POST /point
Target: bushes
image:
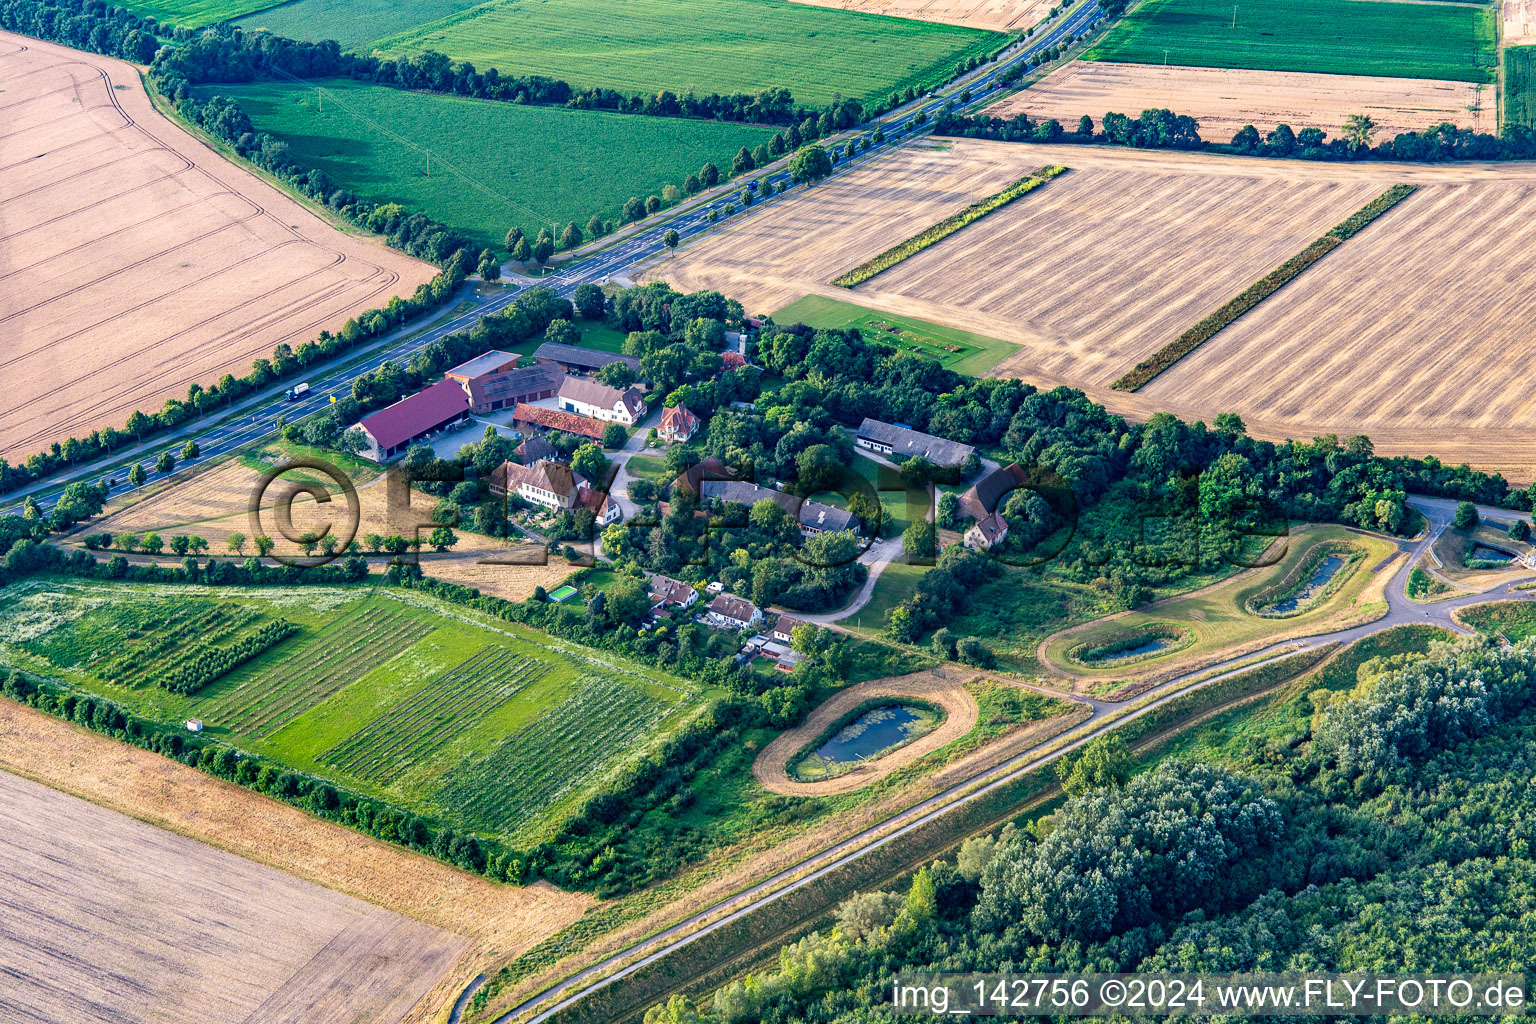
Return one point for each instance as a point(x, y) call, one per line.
point(207, 663)
point(946, 227)
point(1148, 369)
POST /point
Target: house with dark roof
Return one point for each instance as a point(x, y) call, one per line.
point(390, 431)
point(813, 516)
point(581, 360)
point(677, 424)
point(550, 484)
point(536, 417)
point(534, 449)
point(981, 500)
point(667, 591)
point(899, 442)
point(728, 611)
point(784, 628)
point(600, 402)
point(987, 532)
point(493, 381)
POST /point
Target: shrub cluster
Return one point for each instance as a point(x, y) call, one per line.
point(946, 227)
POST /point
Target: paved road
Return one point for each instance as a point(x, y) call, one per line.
point(1105, 716)
point(597, 268)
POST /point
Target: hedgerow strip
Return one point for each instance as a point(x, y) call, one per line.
point(948, 226)
point(1146, 370)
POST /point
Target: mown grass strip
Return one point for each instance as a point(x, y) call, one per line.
point(1148, 369)
point(946, 227)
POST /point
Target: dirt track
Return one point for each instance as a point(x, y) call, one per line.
point(1412, 332)
point(135, 261)
point(960, 716)
point(494, 918)
point(1224, 100)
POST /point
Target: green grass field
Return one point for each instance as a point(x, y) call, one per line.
point(351, 23)
point(493, 165)
point(195, 13)
point(473, 721)
point(1342, 37)
point(705, 46)
point(1520, 85)
point(961, 351)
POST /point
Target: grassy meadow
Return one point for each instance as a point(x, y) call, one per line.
point(195, 13)
point(352, 24)
point(702, 46)
point(485, 724)
point(1520, 85)
point(961, 351)
point(1341, 37)
point(493, 164)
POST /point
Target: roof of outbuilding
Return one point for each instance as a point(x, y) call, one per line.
point(410, 417)
point(909, 443)
point(575, 355)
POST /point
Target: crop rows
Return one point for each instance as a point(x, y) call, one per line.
point(540, 763)
point(263, 706)
point(387, 747)
point(205, 662)
point(1148, 369)
point(946, 227)
point(179, 638)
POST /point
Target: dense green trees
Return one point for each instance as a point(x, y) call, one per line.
point(810, 163)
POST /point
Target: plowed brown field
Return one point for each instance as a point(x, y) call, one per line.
point(135, 261)
point(1411, 332)
point(1224, 100)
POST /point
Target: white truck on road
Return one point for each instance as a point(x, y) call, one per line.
point(298, 391)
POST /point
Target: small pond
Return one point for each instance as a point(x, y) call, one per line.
point(1324, 572)
point(1484, 553)
point(1151, 645)
point(875, 731)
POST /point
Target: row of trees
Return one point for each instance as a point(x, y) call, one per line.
point(1164, 129)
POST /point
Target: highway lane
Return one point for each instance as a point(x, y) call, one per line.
point(614, 261)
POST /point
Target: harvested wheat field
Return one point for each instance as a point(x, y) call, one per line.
point(1413, 333)
point(1422, 321)
point(135, 261)
point(1519, 22)
point(997, 15)
point(213, 503)
point(109, 919)
point(465, 920)
point(1224, 100)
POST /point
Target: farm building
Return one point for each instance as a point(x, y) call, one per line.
point(553, 485)
point(981, 500)
point(901, 442)
point(601, 402)
point(492, 381)
point(534, 449)
point(677, 424)
point(536, 417)
point(987, 532)
point(581, 360)
point(813, 516)
point(390, 431)
point(784, 628)
point(667, 591)
point(732, 612)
